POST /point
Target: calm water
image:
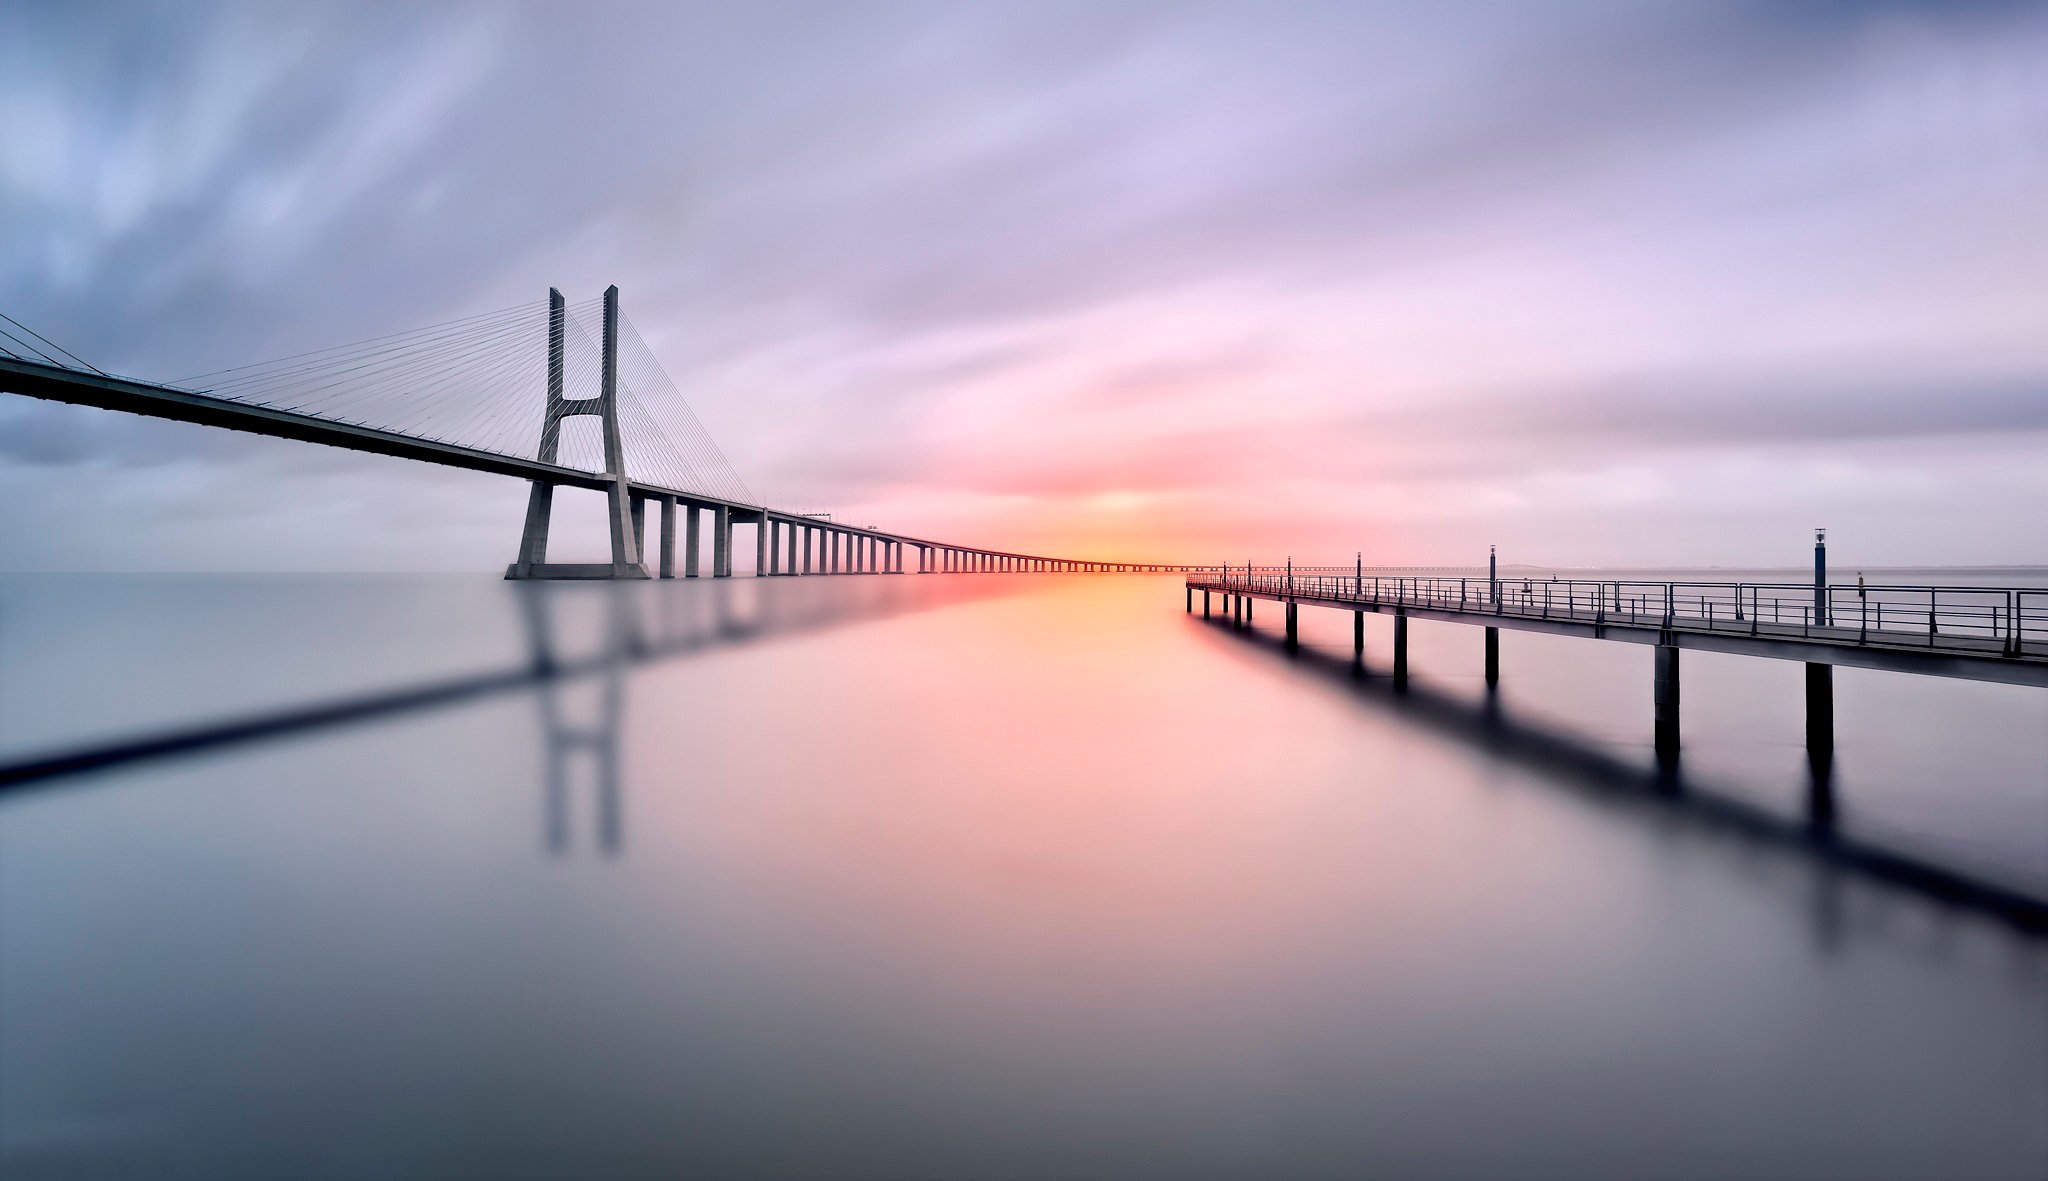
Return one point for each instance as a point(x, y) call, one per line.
point(982, 876)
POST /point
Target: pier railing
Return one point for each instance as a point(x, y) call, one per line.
point(1973, 620)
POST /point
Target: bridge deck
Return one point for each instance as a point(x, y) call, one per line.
point(79, 388)
point(1988, 634)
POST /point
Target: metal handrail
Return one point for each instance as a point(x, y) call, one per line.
point(2007, 621)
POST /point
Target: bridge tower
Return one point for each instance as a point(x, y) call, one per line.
point(533, 543)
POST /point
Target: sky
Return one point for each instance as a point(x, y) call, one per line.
point(1623, 284)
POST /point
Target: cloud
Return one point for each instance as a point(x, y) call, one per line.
point(1053, 257)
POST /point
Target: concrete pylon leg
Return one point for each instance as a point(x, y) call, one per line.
point(721, 542)
point(762, 559)
point(1666, 685)
point(1400, 648)
point(1358, 631)
point(625, 511)
point(668, 537)
point(692, 542)
point(1293, 633)
point(1492, 656)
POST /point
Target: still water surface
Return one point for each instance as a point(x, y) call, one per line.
point(1026, 876)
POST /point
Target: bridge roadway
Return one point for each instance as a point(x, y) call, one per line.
point(1995, 634)
point(865, 550)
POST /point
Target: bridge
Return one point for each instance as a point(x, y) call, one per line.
point(1976, 633)
point(493, 393)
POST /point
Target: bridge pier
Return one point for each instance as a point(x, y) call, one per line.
point(1400, 647)
point(1820, 711)
point(764, 559)
point(1492, 657)
point(1293, 631)
point(721, 542)
point(1205, 604)
point(1358, 632)
point(692, 541)
point(626, 513)
point(1666, 685)
point(668, 537)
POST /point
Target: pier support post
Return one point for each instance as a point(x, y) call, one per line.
point(1820, 710)
point(1358, 631)
point(721, 542)
point(1492, 657)
point(762, 562)
point(1293, 632)
point(668, 537)
point(1188, 600)
point(1400, 647)
point(692, 541)
point(1205, 604)
point(1666, 729)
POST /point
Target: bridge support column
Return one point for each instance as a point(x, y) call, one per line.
point(721, 542)
point(1666, 729)
point(692, 541)
point(1400, 648)
point(1205, 604)
point(1358, 631)
point(639, 504)
point(628, 554)
point(668, 537)
point(1293, 632)
point(795, 539)
point(763, 552)
point(1492, 657)
point(1820, 711)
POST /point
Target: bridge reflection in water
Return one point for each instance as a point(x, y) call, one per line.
point(576, 635)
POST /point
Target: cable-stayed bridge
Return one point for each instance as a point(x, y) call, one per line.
point(541, 393)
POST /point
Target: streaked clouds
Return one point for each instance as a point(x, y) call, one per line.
point(1600, 282)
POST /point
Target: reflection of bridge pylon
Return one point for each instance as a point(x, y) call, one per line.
point(597, 739)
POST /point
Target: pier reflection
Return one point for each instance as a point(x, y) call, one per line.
point(1598, 772)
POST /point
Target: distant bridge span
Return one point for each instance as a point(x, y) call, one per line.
point(786, 543)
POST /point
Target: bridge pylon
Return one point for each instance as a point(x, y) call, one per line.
point(533, 542)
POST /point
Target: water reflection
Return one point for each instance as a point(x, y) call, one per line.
point(1596, 770)
point(572, 631)
point(596, 740)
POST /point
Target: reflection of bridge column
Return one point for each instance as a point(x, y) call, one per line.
point(599, 739)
